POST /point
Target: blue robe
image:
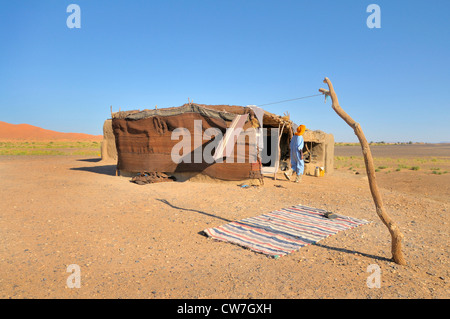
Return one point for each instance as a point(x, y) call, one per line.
point(296, 145)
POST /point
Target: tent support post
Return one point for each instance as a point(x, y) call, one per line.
point(277, 163)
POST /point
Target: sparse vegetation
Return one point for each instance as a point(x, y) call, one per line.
point(439, 172)
point(427, 164)
point(50, 148)
point(377, 143)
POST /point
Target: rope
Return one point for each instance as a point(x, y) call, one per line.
point(299, 98)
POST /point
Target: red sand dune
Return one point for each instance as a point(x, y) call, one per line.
point(11, 132)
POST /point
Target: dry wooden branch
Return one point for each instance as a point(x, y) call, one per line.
point(394, 230)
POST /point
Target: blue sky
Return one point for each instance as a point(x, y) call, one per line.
point(134, 54)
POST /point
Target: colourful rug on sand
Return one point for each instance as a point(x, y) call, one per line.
point(283, 231)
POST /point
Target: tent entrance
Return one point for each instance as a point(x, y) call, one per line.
point(275, 151)
point(313, 152)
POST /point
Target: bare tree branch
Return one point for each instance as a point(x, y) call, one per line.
point(396, 235)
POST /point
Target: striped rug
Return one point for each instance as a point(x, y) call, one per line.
point(283, 231)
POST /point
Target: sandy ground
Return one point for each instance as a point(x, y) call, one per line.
point(133, 241)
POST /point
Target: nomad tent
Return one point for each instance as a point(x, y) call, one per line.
point(222, 142)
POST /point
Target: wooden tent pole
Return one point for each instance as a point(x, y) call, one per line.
point(277, 163)
point(394, 230)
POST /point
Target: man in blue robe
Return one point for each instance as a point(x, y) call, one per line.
point(297, 162)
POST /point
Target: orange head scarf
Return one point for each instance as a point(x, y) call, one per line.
point(300, 130)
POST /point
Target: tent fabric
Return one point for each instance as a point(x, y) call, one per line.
point(144, 142)
point(187, 108)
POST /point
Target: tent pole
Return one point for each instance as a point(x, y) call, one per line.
point(277, 163)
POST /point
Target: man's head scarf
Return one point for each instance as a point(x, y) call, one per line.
point(300, 130)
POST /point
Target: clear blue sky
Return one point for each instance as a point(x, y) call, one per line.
point(134, 54)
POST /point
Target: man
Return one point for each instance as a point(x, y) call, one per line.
point(297, 162)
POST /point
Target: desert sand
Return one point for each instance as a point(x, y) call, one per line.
point(145, 241)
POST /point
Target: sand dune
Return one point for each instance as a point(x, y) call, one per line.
point(11, 132)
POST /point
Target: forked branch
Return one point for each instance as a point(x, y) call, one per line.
point(396, 235)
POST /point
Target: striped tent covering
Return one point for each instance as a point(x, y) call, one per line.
point(283, 231)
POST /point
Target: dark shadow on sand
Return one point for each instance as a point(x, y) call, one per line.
point(93, 160)
point(352, 252)
point(103, 169)
point(193, 210)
